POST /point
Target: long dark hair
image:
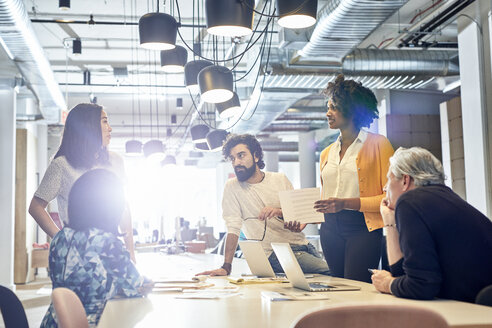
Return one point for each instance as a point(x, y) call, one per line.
point(354, 101)
point(96, 200)
point(246, 139)
point(82, 138)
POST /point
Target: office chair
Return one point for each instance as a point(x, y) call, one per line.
point(13, 312)
point(69, 309)
point(372, 316)
point(484, 297)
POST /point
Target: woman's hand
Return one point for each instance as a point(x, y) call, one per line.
point(330, 205)
point(382, 279)
point(387, 213)
point(294, 226)
point(269, 212)
point(146, 287)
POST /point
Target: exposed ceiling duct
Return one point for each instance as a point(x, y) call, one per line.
point(344, 24)
point(279, 145)
point(23, 48)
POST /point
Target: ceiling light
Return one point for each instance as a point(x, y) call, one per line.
point(216, 83)
point(64, 4)
point(174, 60)
point(179, 103)
point(199, 133)
point(202, 146)
point(133, 148)
point(229, 18)
point(157, 31)
point(229, 108)
point(154, 150)
point(76, 47)
point(215, 139)
point(297, 13)
point(191, 70)
point(169, 160)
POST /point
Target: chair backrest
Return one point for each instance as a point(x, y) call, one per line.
point(372, 316)
point(484, 297)
point(13, 312)
point(69, 309)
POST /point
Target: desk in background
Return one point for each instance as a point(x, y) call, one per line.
point(250, 309)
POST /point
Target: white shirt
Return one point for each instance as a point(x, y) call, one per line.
point(60, 177)
point(340, 178)
point(243, 200)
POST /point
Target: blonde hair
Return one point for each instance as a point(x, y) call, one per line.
point(418, 163)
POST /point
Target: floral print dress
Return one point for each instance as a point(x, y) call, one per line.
point(96, 266)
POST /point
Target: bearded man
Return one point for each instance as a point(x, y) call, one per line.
point(251, 204)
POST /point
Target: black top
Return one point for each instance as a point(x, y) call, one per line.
point(446, 245)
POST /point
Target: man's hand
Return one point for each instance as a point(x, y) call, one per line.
point(269, 212)
point(294, 226)
point(382, 279)
point(387, 213)
point(216, 272)
point(330, 205)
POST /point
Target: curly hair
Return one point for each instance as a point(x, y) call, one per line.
point(246, 139)
point(353, 100)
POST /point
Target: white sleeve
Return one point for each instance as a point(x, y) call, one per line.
point(51, 184)
point(231, 211)
point(287, 183)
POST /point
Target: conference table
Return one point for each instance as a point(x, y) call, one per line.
point(248, 308)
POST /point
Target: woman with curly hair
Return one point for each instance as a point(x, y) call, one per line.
point(353, 174)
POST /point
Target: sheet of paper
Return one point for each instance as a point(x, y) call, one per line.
point(298, 205)
point(293, 296)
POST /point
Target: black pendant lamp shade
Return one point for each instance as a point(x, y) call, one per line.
point(169, 160)
point(202, 146)
point(157, 31)
point(76, 47)
point(297, 13)
point(215, 139)
point(133, 147)
point(191, 73)
point(174, 60)
point(229, 108)
point(64, 4)
point(216, 83)
point(199, 133)
point(229, 18)
point(154, 149)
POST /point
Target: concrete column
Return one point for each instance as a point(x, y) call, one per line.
point(7, 185)
point(307, 168)
point(476, 90)
point(42, 160)
point(271, 161)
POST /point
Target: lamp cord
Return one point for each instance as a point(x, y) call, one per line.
point(273, 16)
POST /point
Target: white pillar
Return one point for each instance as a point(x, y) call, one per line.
point(474, 54)
point(42, 159)
point(7, 185)
point(307, 168)
point(271, 161)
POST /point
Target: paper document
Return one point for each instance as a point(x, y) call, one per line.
point(293, 296)
point(250, 280)
point(298, 205)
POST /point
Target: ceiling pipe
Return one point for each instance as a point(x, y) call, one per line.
point(20, 42)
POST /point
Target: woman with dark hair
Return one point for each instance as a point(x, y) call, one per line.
point(353, 174)
point(84, 145)
point(86, 256)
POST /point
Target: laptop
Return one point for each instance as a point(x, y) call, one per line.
point(295, 275)
point(257, 260)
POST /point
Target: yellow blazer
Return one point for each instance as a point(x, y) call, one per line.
point(372, 167)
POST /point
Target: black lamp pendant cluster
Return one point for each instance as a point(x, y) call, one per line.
point(157, 31)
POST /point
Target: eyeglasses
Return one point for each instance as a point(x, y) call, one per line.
point(264, 228)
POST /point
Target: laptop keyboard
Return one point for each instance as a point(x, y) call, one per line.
point(320, 286)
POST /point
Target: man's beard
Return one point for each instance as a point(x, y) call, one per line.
point(246, 173)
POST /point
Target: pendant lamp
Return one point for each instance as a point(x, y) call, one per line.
point(215, 139)
point(191, 70)
point(174, 60)
point(133, 148)
point(229, 108)
point(202, 146)
point(76, 47)
point(216, 83)
point(154, 150)
point(297, 13)
point(229, 18)
point(169, 160)
point(199, 133)
point(157, 31)
point(64, 4)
